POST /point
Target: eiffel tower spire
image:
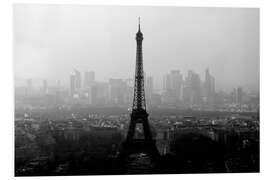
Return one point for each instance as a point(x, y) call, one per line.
point(139, 24)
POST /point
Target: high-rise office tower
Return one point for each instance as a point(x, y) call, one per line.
point(192, 91)
point(176, 83)
point(72, 84)
point(167, 84)
point(149, 88)
point(172, 87)
point(233, 98)
point(98, 93)
point(89, 78)
point(117, 91)
point(78, 79)
point(75, 82)
point(209, 87)
point(239, 96)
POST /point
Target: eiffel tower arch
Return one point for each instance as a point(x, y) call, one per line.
point(139, 114)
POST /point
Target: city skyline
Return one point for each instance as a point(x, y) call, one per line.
point(125, 125)
point(39, 83)
point(231, 34)
point(177, 91)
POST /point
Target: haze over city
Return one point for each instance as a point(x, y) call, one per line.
point(51, 40)
point(99, 92)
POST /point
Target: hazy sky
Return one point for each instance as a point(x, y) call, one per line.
point(51, 40)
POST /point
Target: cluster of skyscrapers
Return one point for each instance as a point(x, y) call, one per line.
point(116, 91)
point(177, 90)
point(189, 90)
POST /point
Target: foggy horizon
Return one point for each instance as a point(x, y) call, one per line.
point(51, 40)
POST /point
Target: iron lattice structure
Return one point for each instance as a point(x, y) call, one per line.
point(139, 115)
point(139, 94)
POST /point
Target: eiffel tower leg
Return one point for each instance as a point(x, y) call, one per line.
point(146, 130)
point(131, 130)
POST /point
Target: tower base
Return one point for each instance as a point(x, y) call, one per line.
point(135, 146)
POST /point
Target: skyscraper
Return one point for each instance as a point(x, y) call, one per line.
point(192, 91)
point(209, 87)
point(72, 84)
point(239, 96)
point(89, 78)
point(172, 86)
point(176, 82)
point(98, 93)
point(166, 83)
point(75, 83)
point(117, 91)
point(78, 80)
point(149, 88)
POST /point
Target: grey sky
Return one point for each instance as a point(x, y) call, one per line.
point(51, 40)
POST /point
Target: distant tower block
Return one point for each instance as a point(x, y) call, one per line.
point(139, 115)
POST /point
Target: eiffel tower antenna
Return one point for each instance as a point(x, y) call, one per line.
point(139, 24)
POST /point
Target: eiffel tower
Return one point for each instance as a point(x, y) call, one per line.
point(131, 145)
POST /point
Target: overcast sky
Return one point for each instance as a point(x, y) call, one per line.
point(51, 40)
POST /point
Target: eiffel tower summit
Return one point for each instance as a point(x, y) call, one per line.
point(139, 115)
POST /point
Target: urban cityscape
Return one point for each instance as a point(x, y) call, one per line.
point(52, 123)
point(129, 126)
point(182, 92)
